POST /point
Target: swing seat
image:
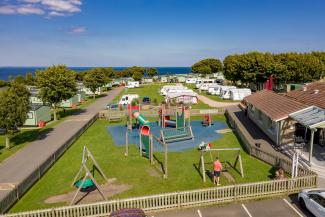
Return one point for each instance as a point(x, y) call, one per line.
point(87, 186)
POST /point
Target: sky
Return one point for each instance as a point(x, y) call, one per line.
point(153, 32)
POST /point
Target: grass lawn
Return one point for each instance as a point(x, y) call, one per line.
point(152, 91)
point(22, 138)
point(133, 170)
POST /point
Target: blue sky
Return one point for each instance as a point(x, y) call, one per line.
point(153, 32)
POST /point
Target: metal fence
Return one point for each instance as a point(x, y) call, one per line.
point(181, 199)
point(13, 195)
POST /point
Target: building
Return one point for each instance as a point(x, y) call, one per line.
point(164, 79)
point(38, 113)
point(147, 80)
point(270, 112)
point(70, 103)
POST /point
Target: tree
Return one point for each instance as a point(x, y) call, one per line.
point(207, 66)
point(29, 79)
point(13, 109)
point(94, 79)
point(151, 71)
point(3, 83)
point(137, 75)
point(56, 83)
point(19, 79)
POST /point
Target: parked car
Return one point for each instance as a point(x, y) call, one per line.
point(313, 200)
point(146, 100)
point(112, 106)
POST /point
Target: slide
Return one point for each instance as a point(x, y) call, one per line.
point(142, 120)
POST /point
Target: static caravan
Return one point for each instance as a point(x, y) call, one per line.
point(168, 88)
point(239, 94)
point(206, 86)
point(37, 113)
point(204, 81)
point(181, 79)
point(147, 80)
point(164, 79)
point(226, 93)
point(133, 84)
point(221, 90)
point(213, 90)
point(191, 80)
point(188, 97)
point(70, 103)
point(99, 91)
point(81, 96)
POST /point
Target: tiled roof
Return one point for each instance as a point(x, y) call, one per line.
point(275, 106)
point(307, 95)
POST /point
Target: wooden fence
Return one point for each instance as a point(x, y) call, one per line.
point(154, 112)
point(181, 199)
point(15, 194)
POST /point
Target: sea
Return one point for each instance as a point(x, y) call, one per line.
point(7, 72)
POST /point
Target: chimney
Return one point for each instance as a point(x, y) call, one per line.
point(316, 91)
point(304, 88)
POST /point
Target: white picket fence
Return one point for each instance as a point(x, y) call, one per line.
point(181, 199)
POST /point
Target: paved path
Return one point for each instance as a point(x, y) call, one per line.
point(284, 207)
point(17, 167)
point(215, 104)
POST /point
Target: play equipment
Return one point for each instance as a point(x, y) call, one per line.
point(143, 124)
point(181, 113)
point(175, 135)
point(84, 181)
point(207, 120)
point(207, 148)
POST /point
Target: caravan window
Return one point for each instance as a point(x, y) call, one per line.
point(30, 115)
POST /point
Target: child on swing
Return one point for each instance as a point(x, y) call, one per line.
point(217, 167)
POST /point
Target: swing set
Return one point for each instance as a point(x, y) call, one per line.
point(207, 149)
point(84, 180)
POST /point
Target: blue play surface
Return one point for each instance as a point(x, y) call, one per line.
point(201, 133)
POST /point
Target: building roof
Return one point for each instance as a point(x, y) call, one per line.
point(35, 106)
point(275, 106)
point(312, 94)
point(311, 117)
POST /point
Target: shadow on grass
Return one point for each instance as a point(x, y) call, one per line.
point(29, 136)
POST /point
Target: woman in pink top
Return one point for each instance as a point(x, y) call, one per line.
point(217, 167)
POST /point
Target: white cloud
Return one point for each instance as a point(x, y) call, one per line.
point(40, 7)
point(8, 9)
point(78, 30)
point(21, 9)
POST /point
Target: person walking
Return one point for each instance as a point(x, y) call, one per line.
point(217, 167)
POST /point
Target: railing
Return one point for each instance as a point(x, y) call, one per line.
point(181, 199)
point(154, 112)
point(15, 194)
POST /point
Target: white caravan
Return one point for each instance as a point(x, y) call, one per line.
point(133, 84)
point(204, 81)
point(191, 80)
point(167, 88)
point(206, 86)
point(239, 94)
point(226, 93)
point(223, 88)
point(213, 90)
point(188, 97)
point(127, 99)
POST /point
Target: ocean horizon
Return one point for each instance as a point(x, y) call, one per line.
point(12, 71)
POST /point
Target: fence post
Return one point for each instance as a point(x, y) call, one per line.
point(178, 200)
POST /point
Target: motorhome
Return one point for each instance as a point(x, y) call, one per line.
point(133, 84)
point(127, 99)
point(239, 94)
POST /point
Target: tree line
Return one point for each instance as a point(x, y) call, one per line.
point(254, 67)
point(55, 83)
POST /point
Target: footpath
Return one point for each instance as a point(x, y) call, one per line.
point(19, 169)
point(216, 104)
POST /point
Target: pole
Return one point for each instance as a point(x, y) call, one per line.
point(126, 144)
point(311, 144)
point(166, 161)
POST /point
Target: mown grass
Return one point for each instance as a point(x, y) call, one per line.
point(133, 170)
point(25, 136)
point(152, 91)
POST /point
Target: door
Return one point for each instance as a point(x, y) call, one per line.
point(313, 204)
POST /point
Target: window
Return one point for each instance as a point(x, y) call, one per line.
point(30, 115)
point(318, 199)
point(259, 115)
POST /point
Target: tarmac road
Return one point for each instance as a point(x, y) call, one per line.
point(280, 207)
